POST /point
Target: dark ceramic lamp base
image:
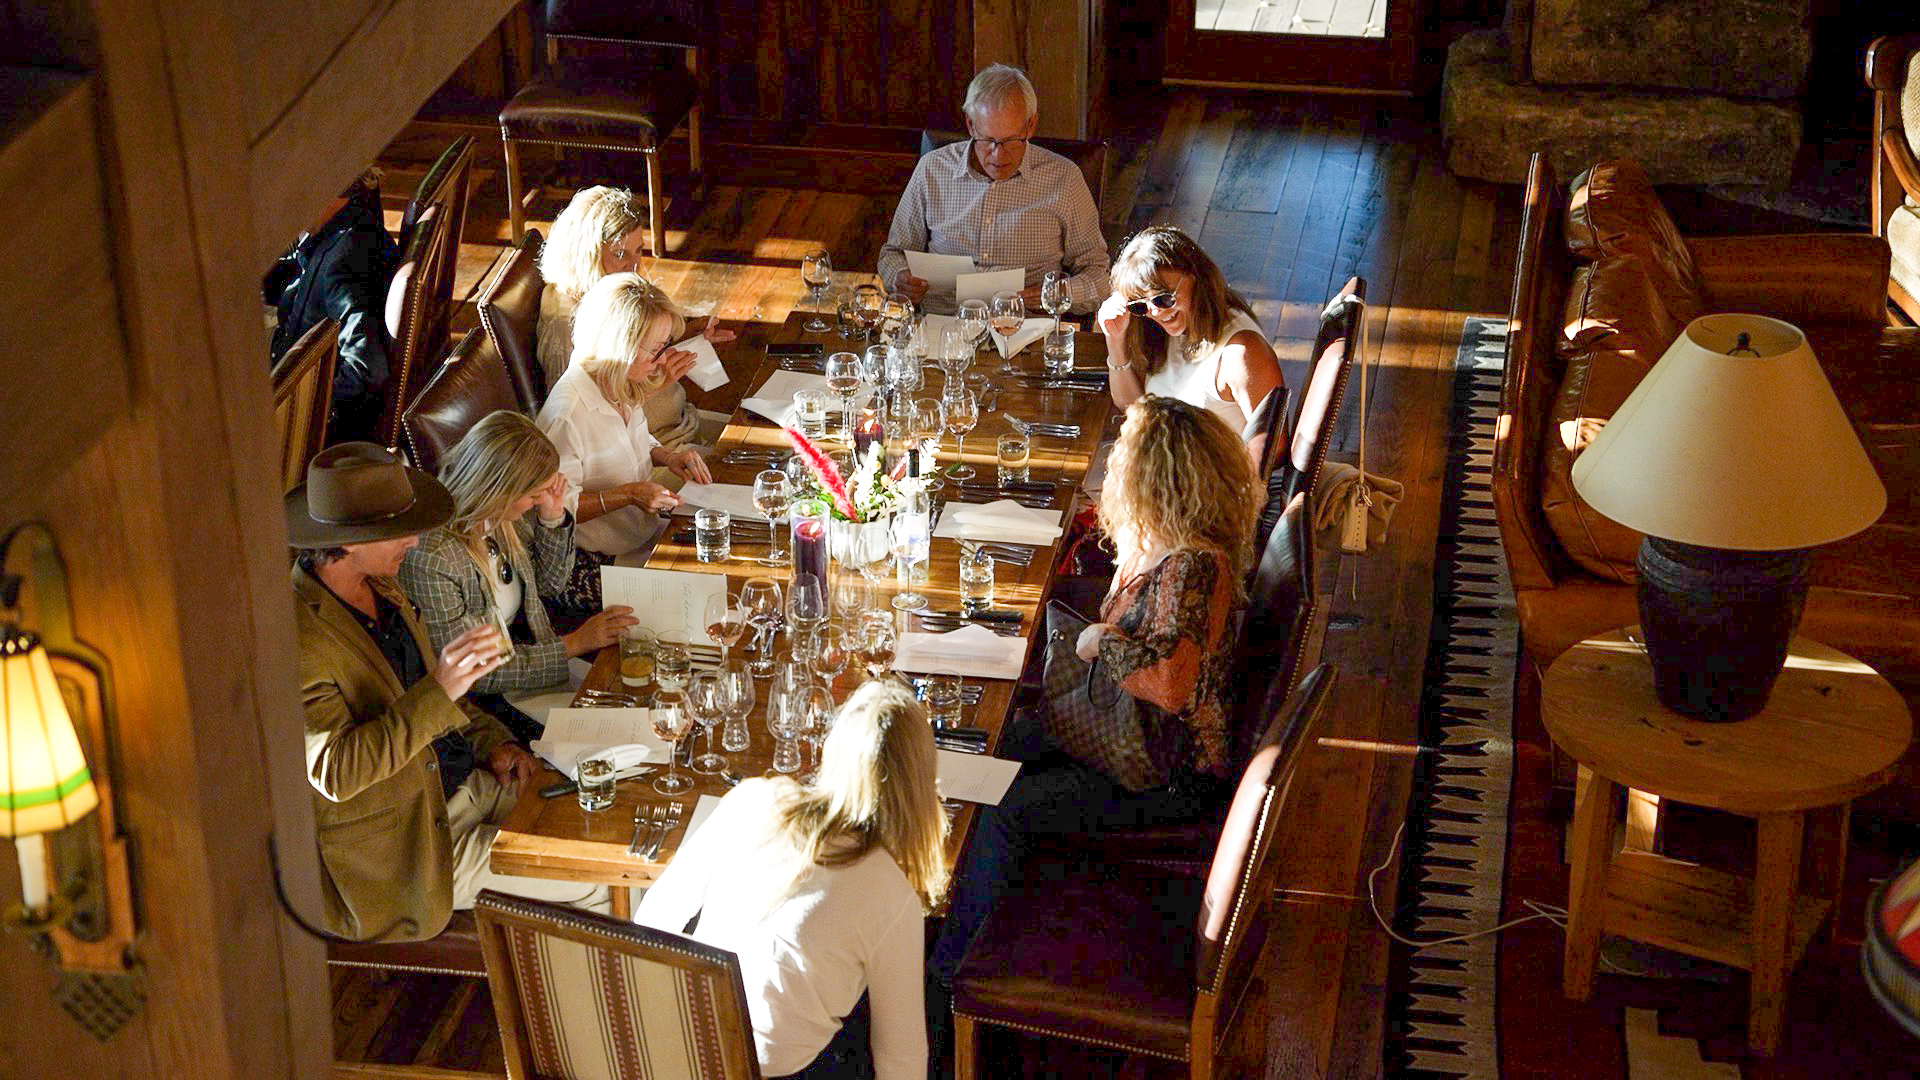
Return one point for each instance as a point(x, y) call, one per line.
point(1718, 624)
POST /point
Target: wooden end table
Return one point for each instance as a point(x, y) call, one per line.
point(1832, 731)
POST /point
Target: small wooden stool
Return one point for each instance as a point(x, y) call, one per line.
point(1832, 731)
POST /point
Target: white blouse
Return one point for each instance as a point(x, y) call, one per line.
point(1195, 379)
point(600, 449)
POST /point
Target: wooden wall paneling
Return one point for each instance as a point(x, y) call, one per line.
point(1057, 42)
point(341, 118)
point(299, 41)
point(60, 322)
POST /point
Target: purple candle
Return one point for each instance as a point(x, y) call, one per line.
point(810, 540)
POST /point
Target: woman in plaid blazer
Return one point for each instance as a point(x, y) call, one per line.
point(494, 562)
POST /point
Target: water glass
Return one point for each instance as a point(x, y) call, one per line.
point(976, 581)
point(712, 535)
point(672, 661)
point(943, 699)
point(810, 412)
point(1013, 455)
point(594, 775)
point(1057, 351)
point(636, 656)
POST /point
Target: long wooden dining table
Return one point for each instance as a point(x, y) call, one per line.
point(554, 838)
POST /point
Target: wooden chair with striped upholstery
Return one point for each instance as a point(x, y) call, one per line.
point(581, 996)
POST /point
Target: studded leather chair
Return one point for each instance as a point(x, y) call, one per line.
point(509, 303)
point(468, 385)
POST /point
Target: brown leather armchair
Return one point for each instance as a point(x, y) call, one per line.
point(468, 385)
point(1893, 71)
point(509, 304)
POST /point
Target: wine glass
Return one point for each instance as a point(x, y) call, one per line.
point(725, 622)
point(962, 412)
point(816, 270)
point(704, 702)
point(771, 495)
point(815, 721)
point(786, 716)
point(760, 598)
point(831, 652)
point(1054, 296)
point(926, 422)
point(869, 301)
point(842, 370)
point(1009, 313)
point(898, 319)
point(736, 701)
point(875, 642)
point(956, 354)
point(671, 722)
point(807, 602)
point(870, 551)
point(672, 661)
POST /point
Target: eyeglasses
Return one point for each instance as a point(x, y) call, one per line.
point(648, 356)
point(1017, 143)
point(1162, 300)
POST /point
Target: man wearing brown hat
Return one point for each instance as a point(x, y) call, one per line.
point(410, 781)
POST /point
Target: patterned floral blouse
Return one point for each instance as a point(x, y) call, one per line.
point(1171, 646)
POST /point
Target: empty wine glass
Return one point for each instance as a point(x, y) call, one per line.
point(1008, 314)
point(876, 639)
point(771, 496)
point(736, 701)
point(973, 317)
point(760, 599)
point(831, 652)
point(842, 371)
point(807, 602)
point(703, 701)
point(898, 320)
point(816, 270)
point(956, 354)
point(725, 622)
point(962, 411)
point(786, 717)
point(1054, 296)
point(671, 722)
point(816, 720)
point(868, 302)
point(926, 422)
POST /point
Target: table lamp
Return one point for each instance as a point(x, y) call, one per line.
point(44, 781)
point(1734, 458)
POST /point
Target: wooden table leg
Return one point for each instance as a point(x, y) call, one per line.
point(1826, 861)
point(622, 902)
point(1592, 851)
point(1775, 879)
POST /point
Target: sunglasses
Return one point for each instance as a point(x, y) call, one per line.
point(1161, 300)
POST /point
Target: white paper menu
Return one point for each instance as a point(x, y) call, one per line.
point(663, 599)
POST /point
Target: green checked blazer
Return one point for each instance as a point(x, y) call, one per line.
point(452, 591)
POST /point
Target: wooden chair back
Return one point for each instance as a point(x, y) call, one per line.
point(420, 300)
point(509, 304)
point(470, 383)
point(303, 398)
point(582, 995)
point(1893, 71)
point(1282, 602)
point(1294, 462)
point(1241, 881)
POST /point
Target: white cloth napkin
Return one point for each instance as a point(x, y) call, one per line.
point(707, 372)
point(774, 398)
point(626, 735)
point(971, 650)
point(1003, 520)
point(735, 499)
point(1030, 331)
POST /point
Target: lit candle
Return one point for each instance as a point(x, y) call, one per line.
point(809, 539)
point(869, 430)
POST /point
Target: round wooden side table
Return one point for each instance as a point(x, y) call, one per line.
point(1832, 731)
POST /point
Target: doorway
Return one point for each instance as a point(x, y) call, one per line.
point(1357, 45)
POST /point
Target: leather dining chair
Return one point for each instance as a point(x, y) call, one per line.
point(470, 383)
point(578, 994)
point(509, 305)
point(593, 97)
point(1132, 959)
point(303, 398)
point(1893, 71)
point(420, 299)
point(1296, 468)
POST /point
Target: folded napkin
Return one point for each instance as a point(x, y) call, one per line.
point(735, 499)
point(708, 372)
point(1002, 519)
point(626, 735)
point(1030, 331)
point(774, 398)
point(971, 650)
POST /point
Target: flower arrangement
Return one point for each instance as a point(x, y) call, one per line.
point(871, 491)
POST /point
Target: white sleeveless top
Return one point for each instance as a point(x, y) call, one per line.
point(1195, 378)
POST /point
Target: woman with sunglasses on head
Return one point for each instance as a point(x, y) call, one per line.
point(508, 545)
point(595, 419)
point(1174, 328)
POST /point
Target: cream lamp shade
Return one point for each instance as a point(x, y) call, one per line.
point(44, 780)
point(1734, 440)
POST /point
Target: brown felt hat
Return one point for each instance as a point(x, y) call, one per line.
point(357, 493)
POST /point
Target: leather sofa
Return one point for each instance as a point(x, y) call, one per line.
point(1604, 282)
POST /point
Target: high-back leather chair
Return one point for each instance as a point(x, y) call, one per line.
point(578, 994)
point(1893, 71)
point(303, 398)
point(470, 383)
point(509, 303)
point(1129, 958)
point(593, 97)
point(420, 300)
point(1297, 466)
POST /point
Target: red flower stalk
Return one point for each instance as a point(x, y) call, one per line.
point(827, 472)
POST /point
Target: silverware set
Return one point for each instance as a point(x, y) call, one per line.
point(942, 623)
point(969, 692)
point(802, 363)
point(1063, 431)
point(1079, 385)
point(761, 457)
point(959, 740)
point(1029, 499)
point(654, 823)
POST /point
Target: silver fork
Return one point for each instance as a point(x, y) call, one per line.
point(672, 821)
point(642, 821)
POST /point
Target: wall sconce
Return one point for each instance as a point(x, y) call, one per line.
point(56, 693)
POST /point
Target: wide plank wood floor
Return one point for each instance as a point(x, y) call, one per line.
point(1291, 195)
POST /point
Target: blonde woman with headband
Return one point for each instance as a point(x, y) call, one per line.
point(603, 231)
point(508, 546)
point(822, 893)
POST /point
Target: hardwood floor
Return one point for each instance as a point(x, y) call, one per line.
point(1291, 195)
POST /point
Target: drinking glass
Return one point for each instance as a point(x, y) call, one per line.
point(912, 546)
point(926, 421)
point(869, 301)
point(786, 716)
point(876, 639)
point(725, 622)
point(810, 413)
point(831, 653)
point(846, 315)
point(736, 701)
point(704, 703)
point(760, 598)
point(672, 660)
point(943, 699)
point(815, 721)
point(962, 410)
point(671, 722)
point(816, 270)
point(956, 354)
point(1056, 351)
point(771, 494)
point(1009, 313)
point(1012, 454)
point(842, 370)
point(594, 777)
point(973, 317)
point(636, 656)
point(899, 318)
point(712, 535)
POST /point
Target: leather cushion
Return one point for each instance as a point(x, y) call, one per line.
point(1618, 302)
point(509, 306)
point(468, 385)
point(589, 105)
point(1612, 209)
point(1596, 383)
point(1106, 957)
point(455, 951)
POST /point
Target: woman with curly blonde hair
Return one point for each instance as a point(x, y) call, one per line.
point(821, 891)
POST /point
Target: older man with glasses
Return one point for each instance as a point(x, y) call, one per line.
point(1000, 199)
